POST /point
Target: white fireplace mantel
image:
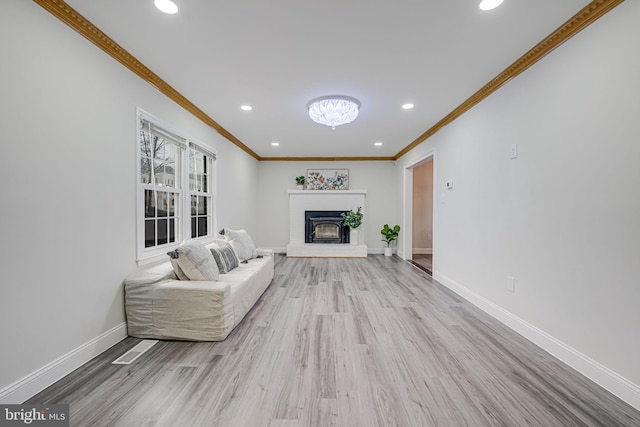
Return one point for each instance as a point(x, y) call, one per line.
point(323, 200)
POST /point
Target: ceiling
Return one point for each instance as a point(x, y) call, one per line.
point(278, 55)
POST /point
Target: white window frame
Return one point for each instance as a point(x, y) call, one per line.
point(147, 255)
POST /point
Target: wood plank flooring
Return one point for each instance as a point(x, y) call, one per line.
point(424, 261)
point(343, 342)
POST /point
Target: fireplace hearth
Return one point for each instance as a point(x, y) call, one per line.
point(325, 227)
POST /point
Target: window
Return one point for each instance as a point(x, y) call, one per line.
point(199, 188)
point(175, 177)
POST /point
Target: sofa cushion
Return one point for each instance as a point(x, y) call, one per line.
point(151, 274)
point(242, 243)
point(225, 257)
point(196, 261)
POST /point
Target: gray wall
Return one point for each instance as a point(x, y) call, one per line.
point(68, 131)
point(562, 218)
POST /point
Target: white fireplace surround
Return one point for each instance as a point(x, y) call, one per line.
point(323, 200)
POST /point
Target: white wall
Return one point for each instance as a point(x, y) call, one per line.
point(276, 178)
point(422, 231)
point(562, 218)
point(68, 132)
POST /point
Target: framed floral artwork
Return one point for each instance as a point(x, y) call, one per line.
point(327, 179)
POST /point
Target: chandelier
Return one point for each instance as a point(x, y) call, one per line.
point(333, 110)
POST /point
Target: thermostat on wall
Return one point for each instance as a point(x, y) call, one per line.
point(449, 185)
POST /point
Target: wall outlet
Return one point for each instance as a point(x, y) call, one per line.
point(449, 185)
point(511, 284)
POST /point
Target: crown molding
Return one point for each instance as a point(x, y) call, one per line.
point(588, 15)
point(84, 27)
point(585, 17)
point(326, 159)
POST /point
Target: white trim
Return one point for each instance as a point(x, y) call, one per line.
point(153, 254)
point(596, 372)
point(376, 251)
point(42, 378)
point(278, 249)
point(423, 251)
point(406, 232)
point(405, 242)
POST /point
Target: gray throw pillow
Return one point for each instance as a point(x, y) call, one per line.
point(225, 257)
point(196, 261)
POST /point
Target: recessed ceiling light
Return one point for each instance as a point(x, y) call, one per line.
point(378, 144)
point(166, 6)
point(246, 108)
point(275, 144)
point(490, 4)
point(407, 106)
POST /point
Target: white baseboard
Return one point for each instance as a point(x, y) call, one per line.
point(35, 382)
point(423, 251)
point(277, 250)
point(600, 374)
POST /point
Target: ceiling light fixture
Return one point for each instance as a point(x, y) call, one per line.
point(246, 108)
point(334, 110)
point(378, 144)
point(166, 6)
point(407, 106)
point(275, 144)
point(490, 4)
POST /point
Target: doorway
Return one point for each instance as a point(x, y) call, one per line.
point(419, 216)
point(422, 216)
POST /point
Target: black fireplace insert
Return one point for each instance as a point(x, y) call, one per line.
point(325, 227)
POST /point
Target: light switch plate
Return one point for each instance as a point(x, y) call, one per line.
point(514, 151)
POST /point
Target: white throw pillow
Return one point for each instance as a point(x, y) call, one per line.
point(196, 261)
point(177, 269)
point(242, 243)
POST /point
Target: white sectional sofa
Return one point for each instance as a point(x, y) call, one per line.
point(160, 306)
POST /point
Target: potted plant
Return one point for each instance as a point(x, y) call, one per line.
point(353, 220)
point(390, 234)
point(300, 182)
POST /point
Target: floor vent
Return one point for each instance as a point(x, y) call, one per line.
point(137, 351)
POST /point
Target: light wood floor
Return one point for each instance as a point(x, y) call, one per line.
point(423, 261)
point(343, 342)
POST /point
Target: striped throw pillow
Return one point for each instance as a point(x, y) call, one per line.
point(225, 257)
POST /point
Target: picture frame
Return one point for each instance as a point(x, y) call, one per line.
point(327, 179)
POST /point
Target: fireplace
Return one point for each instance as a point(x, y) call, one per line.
point(337, 201)
point(325, 227)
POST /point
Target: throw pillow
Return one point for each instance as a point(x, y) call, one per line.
point(242, 243)
point(177, 269)
point(196, 261)
point(225, 257)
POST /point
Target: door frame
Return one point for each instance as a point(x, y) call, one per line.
point(405, 250)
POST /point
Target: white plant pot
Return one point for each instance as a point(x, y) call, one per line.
point(388, 251)
point(300, 187)
point(353, 236)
